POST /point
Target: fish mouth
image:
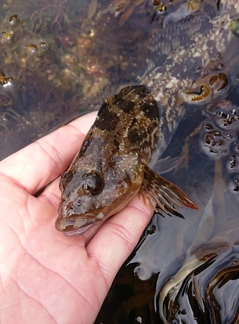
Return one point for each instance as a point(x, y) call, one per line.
point(77, 225)
point(80, 224)
point(78, 231)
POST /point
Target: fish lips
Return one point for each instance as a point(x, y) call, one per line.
point(77, 224)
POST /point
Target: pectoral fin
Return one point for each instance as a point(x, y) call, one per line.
point(163, 194)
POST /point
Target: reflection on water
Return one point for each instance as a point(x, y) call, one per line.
point(58, 61)
point(187, 270)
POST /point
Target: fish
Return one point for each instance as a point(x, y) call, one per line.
point(118, 158)
point(112, 165)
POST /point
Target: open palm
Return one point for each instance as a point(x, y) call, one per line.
point(46, 277)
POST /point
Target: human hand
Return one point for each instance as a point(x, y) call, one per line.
point(45, 276)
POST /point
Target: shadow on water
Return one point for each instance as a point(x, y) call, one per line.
point(59, 61)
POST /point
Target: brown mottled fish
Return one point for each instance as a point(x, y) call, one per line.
point(134, 127)
point(112, 165)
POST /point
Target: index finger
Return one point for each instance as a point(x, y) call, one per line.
point(39, 163)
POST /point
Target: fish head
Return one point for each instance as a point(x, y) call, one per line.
point(91, 195)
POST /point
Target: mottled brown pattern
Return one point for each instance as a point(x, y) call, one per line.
point(129, 121)
point(111, 166)
point(121, 140)
point(109, 119)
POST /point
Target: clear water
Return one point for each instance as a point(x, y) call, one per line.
point(59, 61)
point(187, 269)
point(56, 66)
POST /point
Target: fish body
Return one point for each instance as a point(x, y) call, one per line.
point(134, 127)
point(112, 165)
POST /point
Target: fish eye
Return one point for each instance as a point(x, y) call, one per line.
point(93, 184)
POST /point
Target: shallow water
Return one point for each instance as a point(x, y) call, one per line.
point(186, 270)
point(59, 61)
point(56, 67)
